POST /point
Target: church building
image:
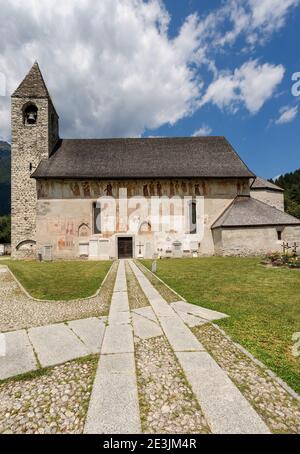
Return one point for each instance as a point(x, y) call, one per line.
point(61, 188)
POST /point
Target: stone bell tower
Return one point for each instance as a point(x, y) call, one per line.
point(34, 124)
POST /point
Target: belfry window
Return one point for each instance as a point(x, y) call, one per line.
point(30, 115)
point(96, 217)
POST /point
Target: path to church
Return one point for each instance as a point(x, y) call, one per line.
point(154, 375)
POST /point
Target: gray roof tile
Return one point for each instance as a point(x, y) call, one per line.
point(143, 158)
point(259, 183)
point(246, 211)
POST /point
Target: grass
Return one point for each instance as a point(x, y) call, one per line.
point(59, 280)
point(263, 304)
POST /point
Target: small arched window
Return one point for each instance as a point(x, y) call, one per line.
point(30, 115)
point(193, 217)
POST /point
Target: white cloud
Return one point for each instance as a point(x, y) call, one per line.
point(204, 130)
point(251, 85)
point(287, 114)
point(110, 66)
point(270, 13)
point(113, 69)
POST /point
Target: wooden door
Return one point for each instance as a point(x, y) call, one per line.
point(125, 248)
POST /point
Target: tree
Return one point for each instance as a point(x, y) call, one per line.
point(290, 182)
point(5, 229)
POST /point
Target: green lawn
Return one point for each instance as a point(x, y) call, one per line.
point(59, 280)
point(263, 304)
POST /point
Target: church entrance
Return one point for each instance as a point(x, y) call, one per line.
point(125, 247)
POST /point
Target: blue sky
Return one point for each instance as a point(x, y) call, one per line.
point(163, 68)
point(269, 149)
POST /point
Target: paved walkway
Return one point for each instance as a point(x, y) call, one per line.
point(27, 350)
point(225, 408)
point(114, 405)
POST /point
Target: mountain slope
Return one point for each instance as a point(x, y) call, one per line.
point(5, 163)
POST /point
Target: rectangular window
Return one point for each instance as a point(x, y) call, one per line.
point(193, 217)
point(279, 235)
point(96, 218)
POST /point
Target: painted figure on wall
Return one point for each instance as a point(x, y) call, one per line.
point(197, 189)
point(145, 191)
point(152, 189)
point(75, 189)
point(108, 190)
point(172, 189)
point(86, 189)
point(159, 188)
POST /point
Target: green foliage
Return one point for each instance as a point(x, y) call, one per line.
point(263, 304)
point(290, 182)
point(5, 229)
point(5, 164)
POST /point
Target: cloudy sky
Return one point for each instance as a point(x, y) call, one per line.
point(163, 68)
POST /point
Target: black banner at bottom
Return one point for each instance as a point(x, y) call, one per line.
point(136, 443)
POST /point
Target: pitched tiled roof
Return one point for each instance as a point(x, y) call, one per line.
point(246, 211)
point(144, 158)
point(33, 85)
point(259, 183)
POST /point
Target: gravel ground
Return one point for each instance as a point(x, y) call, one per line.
point(277, 407)
point(55, 402)
point(17, 311)
point(165, 291)
point(136, 296)
point(167, 403)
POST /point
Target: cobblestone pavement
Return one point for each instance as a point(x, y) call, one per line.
point(167, 403)
point(17, 311)
point(137, 298)
point(55, 402)
point(277, 407)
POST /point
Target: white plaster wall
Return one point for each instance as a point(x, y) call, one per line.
point(64, 206)
point(254, 241)
point(273, 198)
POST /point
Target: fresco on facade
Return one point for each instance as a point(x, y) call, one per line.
point(171, 188)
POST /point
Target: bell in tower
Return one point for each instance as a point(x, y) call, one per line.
point(30, 115)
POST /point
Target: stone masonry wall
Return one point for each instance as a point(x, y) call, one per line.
point(30, 144)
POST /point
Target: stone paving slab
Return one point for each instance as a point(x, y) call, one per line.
point(197, 311)
point(226, 409)
point(56, 344)
point(190, 320)
point(90, 331)
point(119, 302)
point(19, 355)
point(160, 307)
point(118, 339)
point(114, 405)
point(145, 328)
point(146, 312)
point(179, 335)
point(119, 318)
